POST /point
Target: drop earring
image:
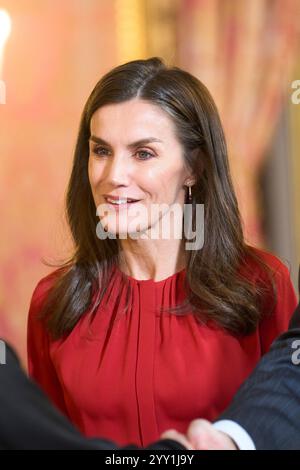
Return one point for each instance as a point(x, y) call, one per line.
point(190, 194)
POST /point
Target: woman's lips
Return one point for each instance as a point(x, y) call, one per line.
point(120, 206)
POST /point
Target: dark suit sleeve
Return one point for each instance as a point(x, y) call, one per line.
point(267, 406)
point(29, 421)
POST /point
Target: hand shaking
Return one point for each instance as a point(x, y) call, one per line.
point(201, 435)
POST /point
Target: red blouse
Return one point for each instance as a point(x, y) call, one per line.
point(130, 376)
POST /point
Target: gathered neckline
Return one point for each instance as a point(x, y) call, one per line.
point(151, 281)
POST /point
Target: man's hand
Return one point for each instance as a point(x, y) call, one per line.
point(201, 435)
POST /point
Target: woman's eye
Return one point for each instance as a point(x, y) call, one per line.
point(141, 154)
point(144, 155)
point(100, 151)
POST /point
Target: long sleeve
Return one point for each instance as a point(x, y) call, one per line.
point(267, 406)
point(40, 365)
point(277, 316)
point(29, 421)
point(238, 434)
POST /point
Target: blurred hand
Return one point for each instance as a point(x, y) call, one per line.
point(178, 437)
point(201, 435)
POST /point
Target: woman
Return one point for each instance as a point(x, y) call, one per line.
point(135, 335)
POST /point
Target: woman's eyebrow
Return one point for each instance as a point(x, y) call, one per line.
point(144, 141)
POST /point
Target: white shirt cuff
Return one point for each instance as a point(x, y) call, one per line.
point(238, 434)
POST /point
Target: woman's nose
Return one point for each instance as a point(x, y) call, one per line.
point(117, 169)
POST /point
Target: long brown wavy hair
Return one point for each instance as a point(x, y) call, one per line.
point(218, 278)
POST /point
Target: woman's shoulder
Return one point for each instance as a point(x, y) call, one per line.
point(262, 263)
point(267, 257)
point(44, 285)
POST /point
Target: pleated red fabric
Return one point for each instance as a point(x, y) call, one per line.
point(130, 376)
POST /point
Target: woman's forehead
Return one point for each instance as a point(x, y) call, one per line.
point(135, 116)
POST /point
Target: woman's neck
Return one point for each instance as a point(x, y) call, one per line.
point(152, 259)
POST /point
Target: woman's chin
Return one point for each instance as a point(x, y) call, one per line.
point(122, 232)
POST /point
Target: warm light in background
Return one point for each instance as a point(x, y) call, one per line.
point(5, 28)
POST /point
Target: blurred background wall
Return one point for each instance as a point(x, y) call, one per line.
point(246, 52)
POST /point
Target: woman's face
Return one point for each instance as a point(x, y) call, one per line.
point(134, 154)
